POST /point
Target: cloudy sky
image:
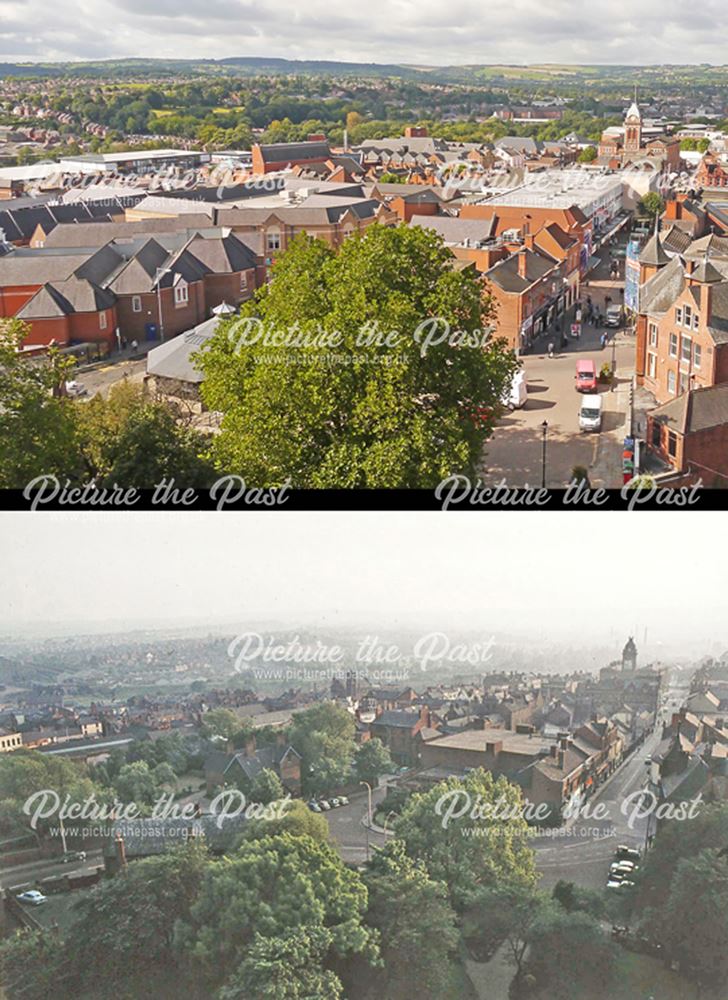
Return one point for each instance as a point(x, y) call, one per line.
point(577, 574)
point(422, 32)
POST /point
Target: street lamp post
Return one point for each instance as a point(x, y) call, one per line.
point(160, 272)
point(544, 429)
point(369, 811)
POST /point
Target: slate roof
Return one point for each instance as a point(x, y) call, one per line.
point(696, 410)
point(75, 295)
point(660, 291)
point(505, 272)
point(399, 719)
point(455, 230)
point(285, 152)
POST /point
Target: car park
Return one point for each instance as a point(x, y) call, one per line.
point(32, 896)
point(625, 853)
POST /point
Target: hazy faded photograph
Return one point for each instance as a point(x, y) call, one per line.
point(390, 755)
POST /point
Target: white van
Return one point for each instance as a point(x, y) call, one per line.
point(590, 413)
point(516, 394)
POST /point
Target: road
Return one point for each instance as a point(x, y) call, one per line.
point(583, 852)
point(515, 452)
point(101, 378)
point(47, 867)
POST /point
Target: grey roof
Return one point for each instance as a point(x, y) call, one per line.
point(87, 234)
point(652, 253)
point(456, 230)
point(146, 837)
point(660, 291)
point(400, 719)
point(696, 410)
point(34, 267)
point(74, 295)
point(173, 358)
point(285, 152)
point(505, 272)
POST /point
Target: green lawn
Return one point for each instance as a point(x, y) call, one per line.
point(638, 977)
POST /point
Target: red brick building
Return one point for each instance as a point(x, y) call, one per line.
point(682, 322)
point(690, 433)
point(279, 155)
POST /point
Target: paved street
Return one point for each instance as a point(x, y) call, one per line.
point(348, 829)
point(516, 449)
point(515, 452)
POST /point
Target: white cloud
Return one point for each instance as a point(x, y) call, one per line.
point(461, 31)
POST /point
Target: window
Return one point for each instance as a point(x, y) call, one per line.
point(653, 334)
point(652, 365)
point(688, 316)
point(678, 315)
point(671, 444)
point(136, 303)
point(181, 294)
point(696, 321)
point(243, 281)
point(684, 382)
point(686, 348)
point(273, 239)
point(671, 383)
point(696, 355)
point(673, 345)
point(102, 320)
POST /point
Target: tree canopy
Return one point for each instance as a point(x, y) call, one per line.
point(338, 407)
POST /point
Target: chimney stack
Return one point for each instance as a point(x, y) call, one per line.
point(562, 754)
point(522, 258)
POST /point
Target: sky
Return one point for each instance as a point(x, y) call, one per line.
point(571, 573)
point(424, 32)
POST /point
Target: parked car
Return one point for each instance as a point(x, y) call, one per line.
point(325, 805)
point(73, 856)
point(32, 896)
point(343, 800)
point(625, 853)
point(74, 388)
point(314, 807)
point(335, 803)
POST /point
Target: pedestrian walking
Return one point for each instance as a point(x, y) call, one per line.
point(551, 348)
point(603, 340)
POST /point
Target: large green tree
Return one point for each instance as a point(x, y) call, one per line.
point(37, 425)
point(416, 925)
point(270, 888)
point(339, 407)
point(324, 736)
point(467, 851)
point(372, 761)
point(130, 439)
